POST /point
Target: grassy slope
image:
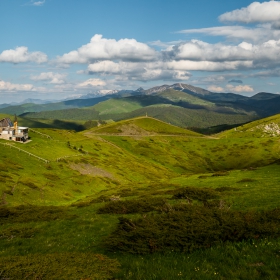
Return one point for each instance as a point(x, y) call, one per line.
point(142, 126)
point(267, 127)
point(177, 96)
point(115, 106)
point(143, 166)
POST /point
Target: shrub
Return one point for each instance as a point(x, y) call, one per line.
point(195, 193)
point(191, 227)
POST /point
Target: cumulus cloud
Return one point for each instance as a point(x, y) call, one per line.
point(255, 12)
point(142, 71)
point(201, 51)
point(21, 54)
point(215, 89)
point(92, 83)
point(235, 81)
point(231, 88)
point(53, 78)
point(199, 55)
point(7, 86)
point(189, 65)
point(240, 88)
point(100, 48)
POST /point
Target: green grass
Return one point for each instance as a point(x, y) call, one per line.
point(143, 175)
point(115, 106)
point(143, 126)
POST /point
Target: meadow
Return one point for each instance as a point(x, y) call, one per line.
point(141, 199)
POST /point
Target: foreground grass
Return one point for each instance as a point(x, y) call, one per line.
point(245, 260)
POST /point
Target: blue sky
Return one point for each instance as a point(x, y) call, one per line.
point(53, 49)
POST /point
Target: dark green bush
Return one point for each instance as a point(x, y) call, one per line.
point(131, 206)
point(63, 266)
point(195, 193)
point(185, 228)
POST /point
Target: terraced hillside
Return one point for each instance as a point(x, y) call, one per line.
point(139, 186)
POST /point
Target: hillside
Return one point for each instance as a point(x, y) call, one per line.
point(267, 127)
point(142, 126)
point(121, 199)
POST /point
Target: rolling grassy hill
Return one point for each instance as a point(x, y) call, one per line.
point(142, 126)
point(138, 182)
point(267, 127)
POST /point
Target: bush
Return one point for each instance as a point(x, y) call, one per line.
point(191, 227)
point(195, 193)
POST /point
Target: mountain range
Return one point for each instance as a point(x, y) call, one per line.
point(179, 104)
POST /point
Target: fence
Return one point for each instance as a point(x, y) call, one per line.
point(14, 147)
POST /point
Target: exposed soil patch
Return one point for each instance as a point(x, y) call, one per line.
point(88, 169)
point(132, 129)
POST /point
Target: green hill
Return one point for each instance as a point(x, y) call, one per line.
point(142, 126)
point(120, 200)
point(267, 127)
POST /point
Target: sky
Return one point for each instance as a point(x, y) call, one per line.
point(57, 49)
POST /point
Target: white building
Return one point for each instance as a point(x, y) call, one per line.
point(10, 131)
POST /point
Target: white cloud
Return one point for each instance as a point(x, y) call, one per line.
point(215, 89)
point(109, 49)
point(107, 66)
point(21, 54)
point(53, 78)
point(199, 55)
point(35, 3)
point(188, 65)
point(231, 88)
point(202, 51)
point(143, 71)
point(260, 33)
point(92, 83)
point(7, 86)
point(255, 12)
point(240, 88)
